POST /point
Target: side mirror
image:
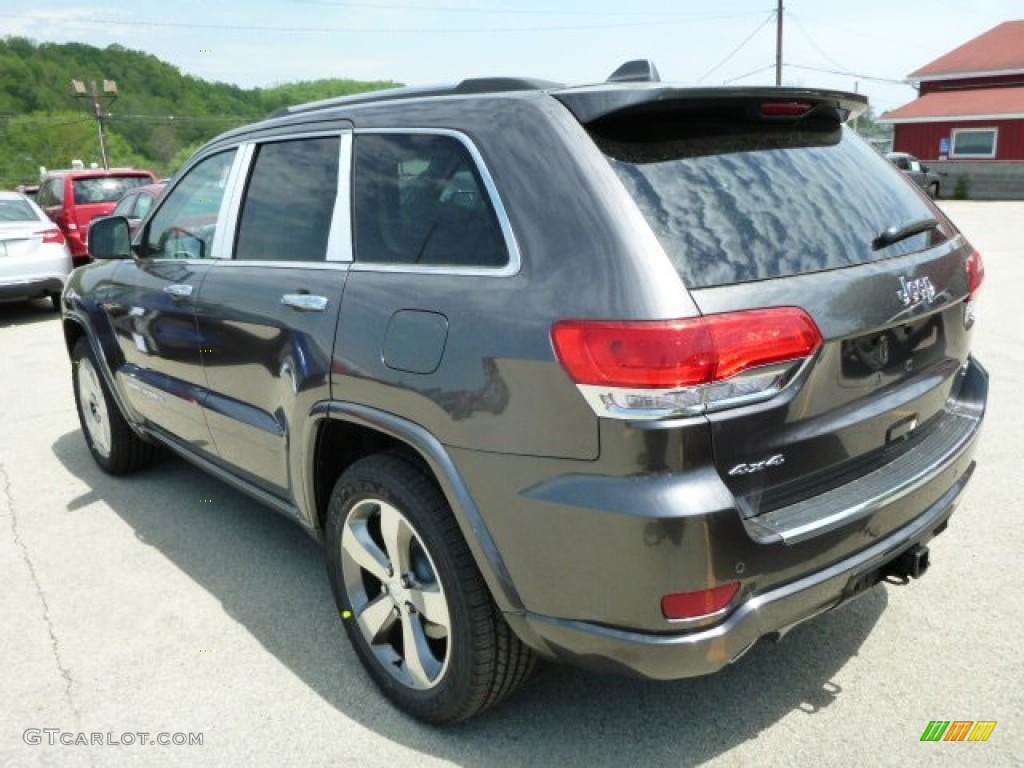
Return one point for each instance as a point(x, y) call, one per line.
point(925, 168)
point(109, 238)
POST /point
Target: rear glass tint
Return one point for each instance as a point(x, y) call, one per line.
point(106, 189)
point(16, 210)
point(735, 201)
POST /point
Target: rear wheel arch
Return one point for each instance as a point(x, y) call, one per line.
point(352, 432)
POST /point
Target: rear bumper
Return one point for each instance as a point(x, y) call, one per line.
point(31, 287)
point(592, 554)
point(666, 657)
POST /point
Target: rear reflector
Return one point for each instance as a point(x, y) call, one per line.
point(53, 236)
point(694, 605)
point(667, 367)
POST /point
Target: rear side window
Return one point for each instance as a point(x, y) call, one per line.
point(289, 201)
point(420, 200)
point(106, 189)
point(735, 201)
point(51, 192)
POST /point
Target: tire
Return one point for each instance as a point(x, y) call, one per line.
point(55, 300)
point(933, 190)
point(112, 443)
point(403, 576)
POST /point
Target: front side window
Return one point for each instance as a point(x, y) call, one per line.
point(419, 199)
point(186, 223)
point(124, 208)
point(289, 201)
point(974, 142)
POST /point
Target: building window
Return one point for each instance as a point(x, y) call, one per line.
point(974, 142)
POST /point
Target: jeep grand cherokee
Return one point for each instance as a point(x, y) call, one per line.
point(626, 375)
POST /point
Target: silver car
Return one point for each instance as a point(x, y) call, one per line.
point(34, 258)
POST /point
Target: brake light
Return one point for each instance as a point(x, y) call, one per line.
point(52, 236)
point(652, 369)
point(694, 605)
point(784, 109)
point(975, 273)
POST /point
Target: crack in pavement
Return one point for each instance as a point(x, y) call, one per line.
point(65, 673)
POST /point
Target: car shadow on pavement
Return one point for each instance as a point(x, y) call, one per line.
point(270, 576)
point(14, 313)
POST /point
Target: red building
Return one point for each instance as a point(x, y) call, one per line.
point(968, 121)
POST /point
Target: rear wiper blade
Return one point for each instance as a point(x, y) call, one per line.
point(896, 232)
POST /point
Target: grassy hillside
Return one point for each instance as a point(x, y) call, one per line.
point(159, 116)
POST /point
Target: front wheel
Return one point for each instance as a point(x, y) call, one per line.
point(933, 190)
point(413, 602)
point(112, 443)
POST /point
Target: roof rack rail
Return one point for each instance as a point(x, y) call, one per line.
point(470, 86)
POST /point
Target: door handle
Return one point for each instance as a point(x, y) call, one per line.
point(179, 290)
point(305, 302)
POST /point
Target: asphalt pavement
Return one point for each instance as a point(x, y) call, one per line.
point(166, 606)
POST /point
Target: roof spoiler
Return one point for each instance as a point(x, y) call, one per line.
point(636, 71)
point(595, 102)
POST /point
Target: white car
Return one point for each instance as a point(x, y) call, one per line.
point(34, 257)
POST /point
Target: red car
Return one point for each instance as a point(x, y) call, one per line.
point(74, 198)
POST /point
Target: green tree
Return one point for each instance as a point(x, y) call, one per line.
point(54, 140)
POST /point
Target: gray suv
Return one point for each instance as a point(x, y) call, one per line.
point(627, 375)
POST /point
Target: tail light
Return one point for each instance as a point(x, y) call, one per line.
point(52, 236)
point(975, 274)
point(681, 606)
point(654, 369)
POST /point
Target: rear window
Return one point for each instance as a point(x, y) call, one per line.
point(735, 201)
point(106, 189)
point(16, 210)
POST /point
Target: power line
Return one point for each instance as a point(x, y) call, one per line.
point(850, 74)
point(738, 48)
point(809, 39)
point(361, 30)
point(517, 11)
point(757, 71)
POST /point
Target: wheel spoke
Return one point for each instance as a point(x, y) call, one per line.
point(429, 600)
point(419, 661)
point(358, 545)
point(376, 619)
point(397, 537)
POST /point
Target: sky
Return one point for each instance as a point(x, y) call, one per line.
point(868, 46)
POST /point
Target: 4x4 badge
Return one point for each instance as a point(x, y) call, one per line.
point(913, 292)
point(758, 466)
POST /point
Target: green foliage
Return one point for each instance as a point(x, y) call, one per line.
point(158, 119)
point(962, 190)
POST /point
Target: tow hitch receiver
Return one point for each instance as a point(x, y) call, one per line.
point(911, 564)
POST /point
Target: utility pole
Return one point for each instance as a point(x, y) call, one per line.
point(109, 89)
point(778, 44)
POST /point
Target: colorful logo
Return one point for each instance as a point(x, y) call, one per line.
point(958, 730)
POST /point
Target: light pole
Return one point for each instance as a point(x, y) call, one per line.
point(109, 89)
point(778, 44)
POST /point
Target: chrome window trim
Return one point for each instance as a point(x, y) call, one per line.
point(227, 218)
point(512, 246)
point(339, 241)
point(329, 266)
point(222, 215)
